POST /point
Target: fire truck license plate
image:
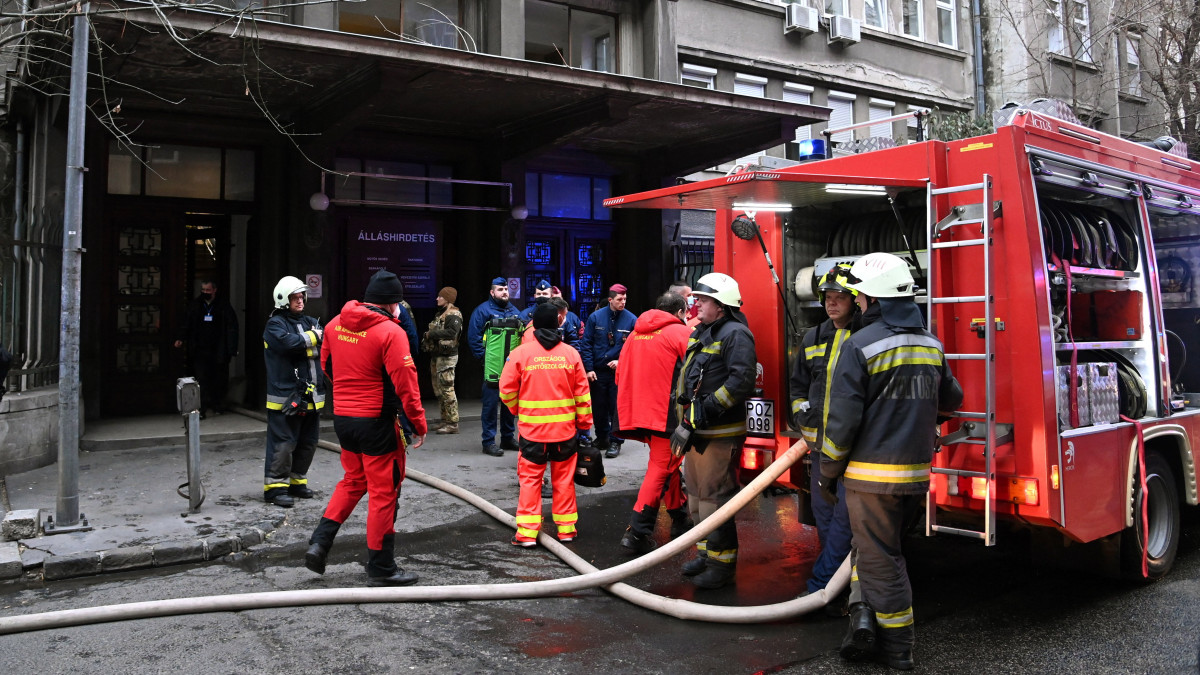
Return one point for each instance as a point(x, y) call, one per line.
point(760, 417)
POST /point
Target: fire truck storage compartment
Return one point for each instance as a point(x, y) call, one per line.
point(1095, 264)
point(845, 223)
point(1176, 230)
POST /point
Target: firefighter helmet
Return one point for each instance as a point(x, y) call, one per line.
point(836, 279)
point(881, 275)
point(720, 287)
point(286, 287)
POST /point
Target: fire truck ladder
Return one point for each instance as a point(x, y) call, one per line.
point(980, 428)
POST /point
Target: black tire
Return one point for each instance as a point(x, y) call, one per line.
point(1163, 518)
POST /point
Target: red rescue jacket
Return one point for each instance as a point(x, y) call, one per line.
point(547, 389)
point(646, 372)
point(365, 352)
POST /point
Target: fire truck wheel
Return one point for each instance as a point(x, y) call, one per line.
point(1163, 518)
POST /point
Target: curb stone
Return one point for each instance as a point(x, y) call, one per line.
point(57, 567)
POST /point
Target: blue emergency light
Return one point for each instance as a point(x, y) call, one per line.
point(811, 149)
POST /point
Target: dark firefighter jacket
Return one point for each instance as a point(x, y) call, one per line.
point(888, 384)
point(291, 349)
point(648, 366)
point(719, 371)
point(810, 376)
point(366, 355)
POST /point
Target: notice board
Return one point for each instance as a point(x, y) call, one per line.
point(408, 247)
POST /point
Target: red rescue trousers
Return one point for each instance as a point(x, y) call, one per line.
point(662, 482)
point(563, 508)
point(377, 476)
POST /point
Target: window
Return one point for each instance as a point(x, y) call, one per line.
point(874, 12)
point(1075, 43)
point(749, 85)
point(568, 196)
point(391, 190)
point(186, 171)
point(433, 22)
point(947, 22)
point(1133, 64)
point(697, 76)
point(838, 7)
point(912, 18)
point(841, 114)
point(879, 109)
point(799, 93)
point(568, 36)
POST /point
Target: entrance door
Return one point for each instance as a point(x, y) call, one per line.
point(574, 258)
point(155, 259)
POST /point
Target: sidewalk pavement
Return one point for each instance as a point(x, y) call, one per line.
point(130, 469)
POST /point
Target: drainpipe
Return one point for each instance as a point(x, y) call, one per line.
point(18, 254)
point(977, 34)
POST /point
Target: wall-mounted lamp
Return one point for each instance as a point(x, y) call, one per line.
point(520, 212)
point(319, 201)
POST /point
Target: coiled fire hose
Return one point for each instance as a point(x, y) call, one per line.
point(591, 577)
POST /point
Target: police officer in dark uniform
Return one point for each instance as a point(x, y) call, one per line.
point(890, 382)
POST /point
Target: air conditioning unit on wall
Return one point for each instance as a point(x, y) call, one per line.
point(844, 30)
point(800, 19)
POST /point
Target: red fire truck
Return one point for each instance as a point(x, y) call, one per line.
point(1054, 263)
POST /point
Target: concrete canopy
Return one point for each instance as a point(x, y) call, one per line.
point(314, 81)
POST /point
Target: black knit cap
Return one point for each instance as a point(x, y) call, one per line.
point(545, 316)
point(384, 289)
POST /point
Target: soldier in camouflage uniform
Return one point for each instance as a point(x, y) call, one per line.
point(441, 341)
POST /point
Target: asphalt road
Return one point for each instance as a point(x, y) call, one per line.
point(978, 610)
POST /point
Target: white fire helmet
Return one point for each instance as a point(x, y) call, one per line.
point(881, 275)
point(287, 286)
point(719, 287)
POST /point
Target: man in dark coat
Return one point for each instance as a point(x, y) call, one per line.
point(210, 330)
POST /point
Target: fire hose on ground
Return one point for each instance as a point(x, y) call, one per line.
point(590, 577)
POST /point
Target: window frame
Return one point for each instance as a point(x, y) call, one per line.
point(1080, 26)
point(1133, 85)
point(803, 133)
point(920, 19)
point(849, 98)
point(699, 74)
point(613, 37)
point(880, 11)
point(950, 6)
point(889, 109)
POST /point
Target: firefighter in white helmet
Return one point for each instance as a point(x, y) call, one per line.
point(295, 393)
point(717, 376)
point(889, 384)
point(810, 375)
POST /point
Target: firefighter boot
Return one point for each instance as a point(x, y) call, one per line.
point(693, 567)
point(715, 575)
point(382, 569)
point(859, 643)
point(320, 543)
point(279, 497)
point(901, 660)
point(638, 543)
point(681, 522)
point(300, 491)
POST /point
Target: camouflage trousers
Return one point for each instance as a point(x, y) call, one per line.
point(441, 372)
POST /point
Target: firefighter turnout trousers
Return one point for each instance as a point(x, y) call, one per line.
point(291, 444)
point(373, 461)
point(441, 375)
point(662, 485)
point(712, 481)
point(878, 522)
point(531, 466)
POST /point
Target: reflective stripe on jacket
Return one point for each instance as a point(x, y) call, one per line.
point(810, 376)
point(888, 384)
point(291, 348)
point(718, 372)
point(547, 390)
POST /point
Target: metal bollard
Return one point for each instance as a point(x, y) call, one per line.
point(187, 398)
